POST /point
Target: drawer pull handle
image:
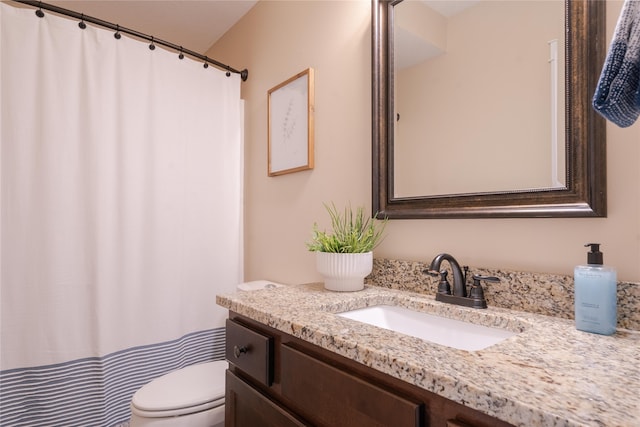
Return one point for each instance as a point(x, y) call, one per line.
point(238, 350)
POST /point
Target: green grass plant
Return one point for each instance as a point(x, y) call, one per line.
point(353, 232)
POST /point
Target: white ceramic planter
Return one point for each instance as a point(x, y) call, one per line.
point(344, 272)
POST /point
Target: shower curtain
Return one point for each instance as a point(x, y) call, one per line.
point(121, 215)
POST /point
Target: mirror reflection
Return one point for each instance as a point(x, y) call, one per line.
point(478, 96)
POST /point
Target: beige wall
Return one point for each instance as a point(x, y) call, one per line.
point(278, 39)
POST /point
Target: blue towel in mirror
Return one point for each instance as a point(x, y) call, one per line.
point(617, 96)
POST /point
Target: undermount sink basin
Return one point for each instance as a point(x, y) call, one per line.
point(440, 330)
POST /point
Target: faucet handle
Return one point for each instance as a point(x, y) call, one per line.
point(476, 291)
point(444, 287)
point(478, 277)
point(430, 272)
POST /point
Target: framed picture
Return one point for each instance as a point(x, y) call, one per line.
point(290, 125)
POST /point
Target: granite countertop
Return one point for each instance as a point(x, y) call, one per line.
point(549, 374)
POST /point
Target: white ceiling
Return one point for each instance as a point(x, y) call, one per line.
point(193, 24)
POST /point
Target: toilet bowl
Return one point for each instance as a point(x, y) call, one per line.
point(188, 397)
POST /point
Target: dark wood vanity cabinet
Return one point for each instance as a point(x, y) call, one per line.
point(275, 379)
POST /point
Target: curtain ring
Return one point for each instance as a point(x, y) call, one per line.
point(152, 46)
point(181, 56)
point(39, 12)
point(117, 34)
point(206, 62)
point(228, 73)
point(81, 24)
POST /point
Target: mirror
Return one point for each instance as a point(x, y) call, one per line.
point(555, 161)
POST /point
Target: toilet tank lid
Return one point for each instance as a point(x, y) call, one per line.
point(258, 284)
point(189, 386)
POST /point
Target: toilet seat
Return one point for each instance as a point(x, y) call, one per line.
point(185, 391)
point(176, 412)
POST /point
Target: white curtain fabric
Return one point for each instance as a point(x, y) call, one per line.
point(121, 191)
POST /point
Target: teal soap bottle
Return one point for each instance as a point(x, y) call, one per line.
point(595, 294)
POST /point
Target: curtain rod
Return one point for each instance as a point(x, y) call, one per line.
point(118, 29)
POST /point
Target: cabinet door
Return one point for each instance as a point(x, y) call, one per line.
point(329, 396)
point(247, 407)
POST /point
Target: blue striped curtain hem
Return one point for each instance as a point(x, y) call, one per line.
point(96, 391)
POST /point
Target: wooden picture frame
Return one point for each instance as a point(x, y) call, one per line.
point(290, 107)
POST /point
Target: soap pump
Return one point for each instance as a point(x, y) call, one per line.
point(595, 294)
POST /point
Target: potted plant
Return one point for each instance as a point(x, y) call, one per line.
point(344, 256)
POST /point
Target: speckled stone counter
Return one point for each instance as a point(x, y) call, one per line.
point(543, 293)
point(549, 374)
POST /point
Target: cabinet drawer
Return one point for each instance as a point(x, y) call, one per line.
point(250, 351)
point(329, 396)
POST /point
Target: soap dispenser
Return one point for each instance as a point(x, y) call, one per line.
point(595, 294)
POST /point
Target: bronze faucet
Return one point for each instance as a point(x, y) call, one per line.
point(474, 298)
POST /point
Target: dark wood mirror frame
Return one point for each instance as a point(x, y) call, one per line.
point(585, 134)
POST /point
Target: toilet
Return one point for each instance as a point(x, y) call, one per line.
point(191, 397)
point(188, 397)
